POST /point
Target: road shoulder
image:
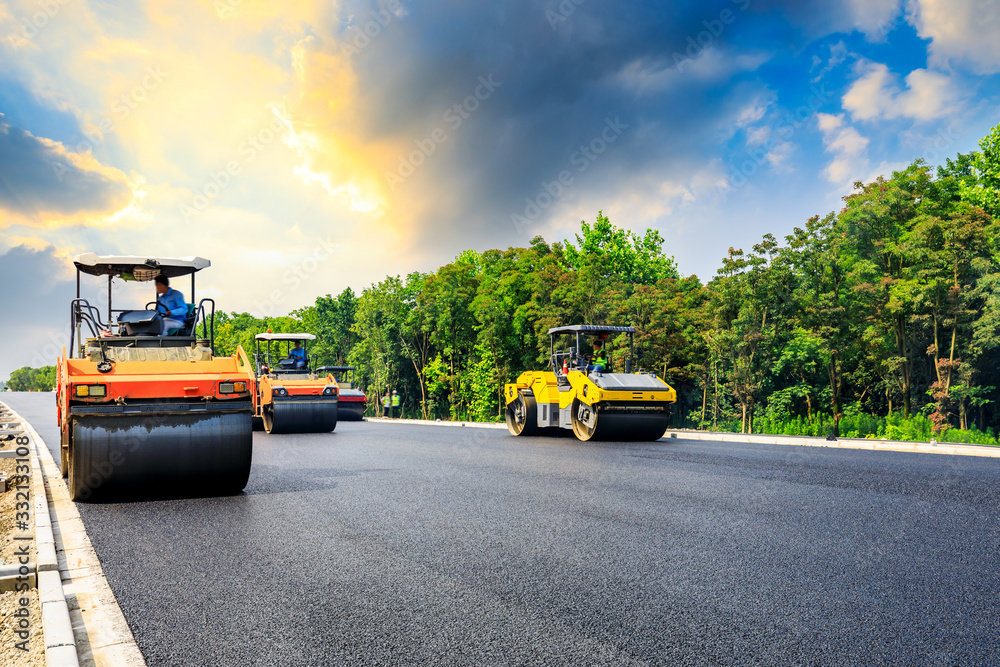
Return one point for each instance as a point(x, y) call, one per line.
point(102, 635)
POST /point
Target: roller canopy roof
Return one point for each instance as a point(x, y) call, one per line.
point(284, 336)
point(138, 267)
point(590, 328)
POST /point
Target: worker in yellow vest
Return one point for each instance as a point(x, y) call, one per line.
point(598, 360)
point(385, 405)
point(395, 404)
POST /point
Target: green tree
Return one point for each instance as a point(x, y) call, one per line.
point(985, 191)
point(32, 379)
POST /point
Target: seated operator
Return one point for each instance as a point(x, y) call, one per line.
point(170, 304)
point(598, 362)
point(298, 355)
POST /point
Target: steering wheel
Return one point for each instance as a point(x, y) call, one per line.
point(157, 308)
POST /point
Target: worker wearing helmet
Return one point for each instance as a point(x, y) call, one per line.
point(598, 361)
point(395, 404)
point(386, 402)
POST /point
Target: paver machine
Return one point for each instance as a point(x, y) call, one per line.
point(576, 394)
point(142, 408)
point(291, 397)
point(352, 400)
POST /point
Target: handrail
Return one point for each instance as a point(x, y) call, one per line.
point(201, 315)
point(81, 312)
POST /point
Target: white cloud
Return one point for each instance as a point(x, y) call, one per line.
point(961, 30)
point(875, 18)
point(838, 54)
point(877, 94)
point(712, 64)
point(846, 145)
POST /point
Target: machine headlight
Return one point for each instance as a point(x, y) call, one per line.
point(328, 391)
point(91, 391)
point(280, 391)
point(232, 387)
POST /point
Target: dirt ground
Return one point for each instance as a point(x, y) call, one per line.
point(10, 655)
point(8, 515)
point(11, 601)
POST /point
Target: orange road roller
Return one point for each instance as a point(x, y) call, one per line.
point(351, 400)
point(291, 397)
point(581, 392)
point(144, 405)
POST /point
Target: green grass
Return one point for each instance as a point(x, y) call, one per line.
point(916, 428)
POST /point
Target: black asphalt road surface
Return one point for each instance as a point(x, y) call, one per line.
point(391, 544)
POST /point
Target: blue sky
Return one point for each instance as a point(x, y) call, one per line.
point(363, 138)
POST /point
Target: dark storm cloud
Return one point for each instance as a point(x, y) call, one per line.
point(36, 177)
point(560, 66)
point(34, 296)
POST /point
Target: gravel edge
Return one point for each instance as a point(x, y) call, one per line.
point(57, 631)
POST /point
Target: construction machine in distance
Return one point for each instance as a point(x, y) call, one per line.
point(595, 405)
point(291, 397)
point(138, 411)
point(351, 402)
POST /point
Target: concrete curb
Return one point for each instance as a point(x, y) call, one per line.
point(101, 631)
point(428, 422)
point(842, 443)
point(798, 441)
point(57, 632)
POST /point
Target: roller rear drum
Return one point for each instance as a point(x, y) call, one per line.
point(300, 417)
point(522, 414)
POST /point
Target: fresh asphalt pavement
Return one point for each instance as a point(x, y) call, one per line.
point(385, 544)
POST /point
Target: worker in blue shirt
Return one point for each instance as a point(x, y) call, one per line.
point(298, 355)
point(170, 304)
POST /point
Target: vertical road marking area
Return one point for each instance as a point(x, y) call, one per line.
point(102, 635)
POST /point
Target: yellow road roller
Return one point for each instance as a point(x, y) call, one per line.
point(143, 403)
point(582, 392)
point(291, 397)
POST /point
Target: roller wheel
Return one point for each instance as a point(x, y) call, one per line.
point(591, 424)
point(584, 421)
point(258, 423)
point(206, 454)
point(64, 451)
point(304, 417)
point(522, 414)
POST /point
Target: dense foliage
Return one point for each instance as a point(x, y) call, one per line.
point(32, 379)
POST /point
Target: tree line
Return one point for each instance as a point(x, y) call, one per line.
point(881, 319)
point(32, 379)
